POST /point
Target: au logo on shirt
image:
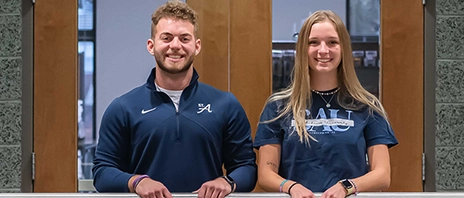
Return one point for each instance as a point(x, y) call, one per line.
point(329, 123)
point(202, 107)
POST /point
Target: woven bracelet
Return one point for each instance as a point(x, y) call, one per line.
point(137, 181)
point(282, 184)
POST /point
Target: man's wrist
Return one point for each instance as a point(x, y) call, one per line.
point(230, 181)
point(137, 180)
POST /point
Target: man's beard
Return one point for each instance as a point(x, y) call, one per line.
point(173, 70)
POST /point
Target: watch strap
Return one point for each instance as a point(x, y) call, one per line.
point(230, 181)
point(346, 183)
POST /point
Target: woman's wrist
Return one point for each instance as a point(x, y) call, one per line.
point(291, 186)
point(281, 186)
point(350, 186)
point(355, 187)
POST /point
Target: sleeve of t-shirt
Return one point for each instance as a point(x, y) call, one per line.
point(379, 131)
point(269, 132)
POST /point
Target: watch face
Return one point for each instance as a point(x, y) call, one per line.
point(347, 184)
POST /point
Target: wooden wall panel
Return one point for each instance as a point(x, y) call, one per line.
point(402, 91)
point(213, 61)
point(236, 50)
point(250, 56)
point(55, 95)
point(244, 43)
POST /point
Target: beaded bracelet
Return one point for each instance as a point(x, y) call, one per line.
point(291, 186)
point(282, 184)
point(137, 181)
point(355, 187)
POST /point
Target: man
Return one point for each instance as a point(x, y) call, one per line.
point(174, 134)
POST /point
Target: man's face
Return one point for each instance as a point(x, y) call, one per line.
point(173, 45)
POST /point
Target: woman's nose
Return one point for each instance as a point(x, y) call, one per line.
point(323, 48)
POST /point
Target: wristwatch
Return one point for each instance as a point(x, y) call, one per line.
point(348, 186)
point(230, 181)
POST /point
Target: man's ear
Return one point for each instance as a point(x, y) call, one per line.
point(197, 46)
point(151, 46)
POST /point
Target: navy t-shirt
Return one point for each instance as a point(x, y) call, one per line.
point(340, 152)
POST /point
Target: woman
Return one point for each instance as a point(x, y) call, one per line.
point(325, 132)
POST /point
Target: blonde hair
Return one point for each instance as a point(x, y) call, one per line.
point(351, 96)
point(177, 10)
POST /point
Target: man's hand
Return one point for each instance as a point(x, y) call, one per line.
point(218, 188)
point(148, 188)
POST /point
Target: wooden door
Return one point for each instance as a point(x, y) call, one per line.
point(402, 92)
point(55, 95)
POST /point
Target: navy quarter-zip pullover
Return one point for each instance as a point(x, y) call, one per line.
point(142, 133)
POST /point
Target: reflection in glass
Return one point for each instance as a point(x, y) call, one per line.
point(282, 66)
point(364, 17)
point(86, 60)
point(364, 28)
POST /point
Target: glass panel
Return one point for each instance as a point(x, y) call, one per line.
point(282, 65)
point(86, 109)
point(85, 117)
point(364, 17)
point(364, 27)
point(85, 12)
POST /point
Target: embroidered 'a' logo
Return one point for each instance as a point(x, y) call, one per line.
point(202, 107)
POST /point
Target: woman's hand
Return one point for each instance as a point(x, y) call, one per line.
point(336, 191)
point(299, 191)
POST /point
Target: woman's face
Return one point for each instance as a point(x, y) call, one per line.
point(324, 48)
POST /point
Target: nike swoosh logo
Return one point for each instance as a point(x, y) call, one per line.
point(147, 111)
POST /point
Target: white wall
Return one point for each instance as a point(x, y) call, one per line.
point(122, 61)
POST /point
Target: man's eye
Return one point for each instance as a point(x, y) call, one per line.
point(165, 38)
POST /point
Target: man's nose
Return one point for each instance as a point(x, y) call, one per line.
point(175, 43)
